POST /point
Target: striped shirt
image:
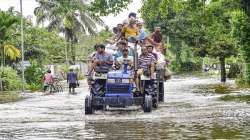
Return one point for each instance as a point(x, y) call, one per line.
point(145, 60)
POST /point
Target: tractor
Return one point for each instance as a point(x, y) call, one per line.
point(116, 89)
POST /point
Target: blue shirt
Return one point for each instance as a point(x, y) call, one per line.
point(71, 77)
point(119, 54)
point(103, 57)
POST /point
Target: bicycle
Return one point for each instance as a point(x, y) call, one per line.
point(54, 87)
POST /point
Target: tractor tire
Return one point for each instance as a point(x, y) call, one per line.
point(161, 94)
point(147, 107)
point(155, 104)
point(88, 105)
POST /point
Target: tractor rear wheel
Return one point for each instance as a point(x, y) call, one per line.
point(147, 107)
point(88, 105)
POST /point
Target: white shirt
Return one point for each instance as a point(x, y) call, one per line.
point(121, 59)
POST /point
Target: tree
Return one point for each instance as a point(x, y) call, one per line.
point(43, 46)
point(7, 31)
point(70, 17)
point(203, 25)
point(222, 44)
point(105, 7)
point(241, 31)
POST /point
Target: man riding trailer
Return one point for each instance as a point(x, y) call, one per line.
point(116, 89)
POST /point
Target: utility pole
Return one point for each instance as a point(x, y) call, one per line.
point(22, 40)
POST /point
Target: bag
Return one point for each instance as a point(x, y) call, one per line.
point(167, 74)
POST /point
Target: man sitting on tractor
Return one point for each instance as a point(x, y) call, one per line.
point(125, 58)
point(103, 61)
point(146, 64)
point(120, 46)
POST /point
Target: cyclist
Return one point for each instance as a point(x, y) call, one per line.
point(47, 80)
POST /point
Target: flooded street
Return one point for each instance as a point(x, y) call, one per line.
point(187, 113)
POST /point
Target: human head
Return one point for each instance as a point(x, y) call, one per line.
point(125, 52)
point(144, 50)
point(150, 48)
point(158, 29)
point(71, 70)
point(48, 71)
point(139, 25)
point(132, 22)
point(115, 30)
point(132, 15)
point(100, 48)
point(121, 44)
point(119, 26)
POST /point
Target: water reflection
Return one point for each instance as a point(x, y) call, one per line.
point(162, 129)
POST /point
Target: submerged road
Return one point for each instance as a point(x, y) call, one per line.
point(187, 113)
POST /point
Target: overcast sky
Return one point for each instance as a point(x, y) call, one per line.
point(29, 6)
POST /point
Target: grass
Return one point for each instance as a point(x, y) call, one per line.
point(238, 98)
point(214, 89)
point(198, 74)
point(6, 97)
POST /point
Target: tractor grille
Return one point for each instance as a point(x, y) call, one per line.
point(118, 89)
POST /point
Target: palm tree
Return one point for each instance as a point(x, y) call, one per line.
point(70, 17)
point(7, 28)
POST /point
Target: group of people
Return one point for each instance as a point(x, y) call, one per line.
point(151, 52)
point(72, 80)
point(131, 31)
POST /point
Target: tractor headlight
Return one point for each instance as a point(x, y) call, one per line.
point(111, 80)
point(125, 81)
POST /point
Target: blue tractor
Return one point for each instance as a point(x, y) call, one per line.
point(116, 89)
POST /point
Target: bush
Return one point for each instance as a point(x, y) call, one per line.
point(34, 86)
point(34, 74)
point(233, 71)
point(6, 97)
point(190, 66)
point(11, 81)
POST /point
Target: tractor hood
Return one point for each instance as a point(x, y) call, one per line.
point(120, 74)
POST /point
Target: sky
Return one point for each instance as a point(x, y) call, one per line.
point(30, 5)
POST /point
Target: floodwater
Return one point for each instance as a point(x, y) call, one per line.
point(185, 114)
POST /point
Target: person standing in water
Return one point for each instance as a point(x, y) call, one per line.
point(72, 80)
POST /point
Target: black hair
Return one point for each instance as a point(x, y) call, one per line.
point(48, 71)
point(150, 46)
point(100, 46)
point(125, 50)
point(132, 14)
point(115, 30)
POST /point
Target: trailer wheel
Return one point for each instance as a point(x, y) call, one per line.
point(161, 93)
point(88, 105)
point(147, 107)
point(155, 104)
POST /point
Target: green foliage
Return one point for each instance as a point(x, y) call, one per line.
point(34, 74)
point(11, 81)
point(241, 31)
point(34, 86)
point(72, 18)
point(44, 46)
point(8, 23)
point(87, 43)
point(6, 97)
point(234, 70)
point(204, 26)
point(105, 7)
point(238, 98)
